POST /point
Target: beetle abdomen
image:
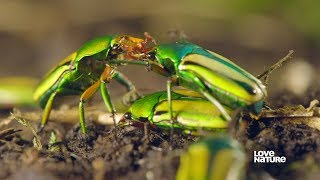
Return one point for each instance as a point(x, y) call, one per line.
point(224, 77)
point(48, 85)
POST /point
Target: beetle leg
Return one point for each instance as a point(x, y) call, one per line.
point(84, 97)
point(217, 104)
point(105, 76)
point(169, 97)
point(159, 69)
point(132, 94)
point(107, 100)
point(169, 89)
point(46, 111)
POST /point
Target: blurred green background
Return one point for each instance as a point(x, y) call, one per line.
point(35, 34)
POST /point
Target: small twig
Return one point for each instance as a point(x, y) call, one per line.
point(293, 112)
point(36, 139)
point(278, 64)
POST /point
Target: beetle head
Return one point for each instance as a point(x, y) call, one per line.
point(138, 49)
point(127, 45)
point(126, 119)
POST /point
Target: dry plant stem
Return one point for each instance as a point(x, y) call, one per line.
point(36, 139)
point(293, 112)
point(297, 115)
point(70, 116)
point(278, 64)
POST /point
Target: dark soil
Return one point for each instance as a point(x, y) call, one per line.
point(128, 153)
point(105, 153)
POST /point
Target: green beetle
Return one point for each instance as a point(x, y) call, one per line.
point(214, 157)
point(218, 79)
point(85, 71)
point(190, 110)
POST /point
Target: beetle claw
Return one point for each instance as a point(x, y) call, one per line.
point(40, 129)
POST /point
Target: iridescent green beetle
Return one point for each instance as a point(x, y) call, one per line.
point(214, 157)
point(218, 79)
point(191, 111)
point(86, 70)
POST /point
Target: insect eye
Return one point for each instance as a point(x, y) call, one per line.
point(151, 55)
point(117, 49)
point(127, 115)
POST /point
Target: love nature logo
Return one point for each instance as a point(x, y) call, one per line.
point(267, 157)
